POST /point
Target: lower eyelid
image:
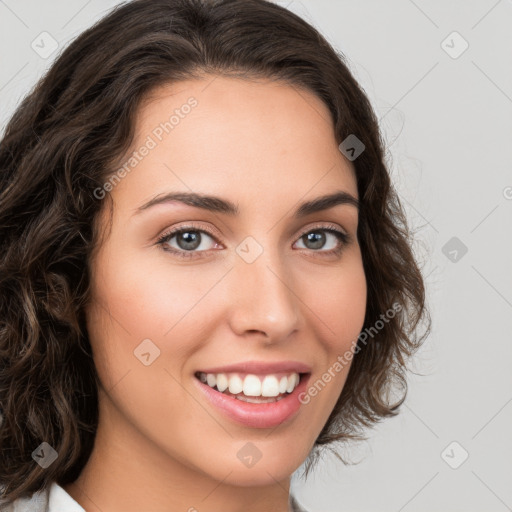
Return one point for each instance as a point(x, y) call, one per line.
point(342, 237)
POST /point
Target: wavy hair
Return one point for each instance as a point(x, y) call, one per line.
point(60, 146)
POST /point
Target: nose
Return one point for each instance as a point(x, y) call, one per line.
point(262, 299)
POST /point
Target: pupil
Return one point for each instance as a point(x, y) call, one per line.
point(318, 239)
point(191, 239)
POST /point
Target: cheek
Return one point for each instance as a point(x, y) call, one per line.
point(139, 310)
point(340, 305)
point(340, 309)
point(135, 301)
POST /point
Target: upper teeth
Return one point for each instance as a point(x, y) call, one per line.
point(251, 385)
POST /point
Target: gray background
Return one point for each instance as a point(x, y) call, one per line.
point(447, 123)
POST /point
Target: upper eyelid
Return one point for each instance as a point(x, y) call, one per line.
point(326, 226)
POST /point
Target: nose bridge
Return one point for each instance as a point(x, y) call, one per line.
point(263, 298)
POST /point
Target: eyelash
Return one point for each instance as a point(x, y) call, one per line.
point(343, 238)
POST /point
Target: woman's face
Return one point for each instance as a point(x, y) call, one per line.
point(233, 288)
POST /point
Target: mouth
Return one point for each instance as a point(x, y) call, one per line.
point(254, 400)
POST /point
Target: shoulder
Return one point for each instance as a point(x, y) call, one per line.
point(38, 502)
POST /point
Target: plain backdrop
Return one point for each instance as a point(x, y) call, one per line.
point(439, 76)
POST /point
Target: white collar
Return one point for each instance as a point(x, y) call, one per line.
point(60, 501)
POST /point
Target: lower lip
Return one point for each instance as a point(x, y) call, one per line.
point(265, 415)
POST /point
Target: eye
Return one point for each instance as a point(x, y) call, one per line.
point(190, 240)
point(317, 237)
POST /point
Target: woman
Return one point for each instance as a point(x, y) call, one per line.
point(206, 275)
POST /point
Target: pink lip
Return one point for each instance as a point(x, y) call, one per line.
point(256, 415)
point(260, 367)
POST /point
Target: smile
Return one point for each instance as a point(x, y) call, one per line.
point(257, 401)
point(251, 385)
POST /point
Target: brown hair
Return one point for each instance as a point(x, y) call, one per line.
point(59, 147)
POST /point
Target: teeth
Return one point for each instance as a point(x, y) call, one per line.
point(283, 384)
point(292, 382)
point(251, 385)
point(222, 382)
point(270, 386)
point(236, 384)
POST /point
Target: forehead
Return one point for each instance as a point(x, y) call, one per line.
point(256, 138)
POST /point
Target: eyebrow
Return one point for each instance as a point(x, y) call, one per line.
point(219, 205)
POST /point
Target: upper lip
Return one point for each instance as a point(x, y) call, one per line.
point(260, 367)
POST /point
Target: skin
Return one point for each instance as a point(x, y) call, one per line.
point(160, 445)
